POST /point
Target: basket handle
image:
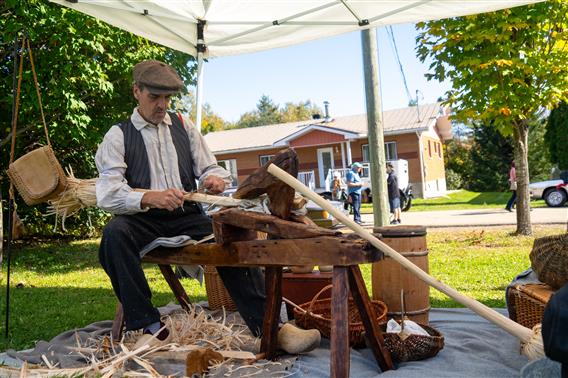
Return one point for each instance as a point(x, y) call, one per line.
point(315, 298)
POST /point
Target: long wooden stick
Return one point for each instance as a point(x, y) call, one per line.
point(515, 329)
point(208, 198)
point(213, 200)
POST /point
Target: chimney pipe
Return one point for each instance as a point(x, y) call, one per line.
point(326, 105)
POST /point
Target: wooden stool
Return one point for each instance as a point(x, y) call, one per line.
point(271, 254)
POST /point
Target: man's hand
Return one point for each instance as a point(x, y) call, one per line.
point(214, 184)
point(169, 199)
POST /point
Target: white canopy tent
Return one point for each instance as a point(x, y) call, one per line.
point(216, 28)
point(233, 27)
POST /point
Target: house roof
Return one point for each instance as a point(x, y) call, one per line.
point(398, 121)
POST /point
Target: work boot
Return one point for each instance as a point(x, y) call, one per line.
point(294, 340)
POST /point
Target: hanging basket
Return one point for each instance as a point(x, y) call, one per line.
point(414, 347)
point(549, 260)
point(316, 314)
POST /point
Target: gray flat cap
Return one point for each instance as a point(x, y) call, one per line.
point(157, 77)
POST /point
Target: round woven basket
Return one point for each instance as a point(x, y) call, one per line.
point(414, 347)
point(316, 314)
point(217, 294)
point(549, 260)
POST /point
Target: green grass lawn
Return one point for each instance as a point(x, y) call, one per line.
point(461, 200)
point(57, 286)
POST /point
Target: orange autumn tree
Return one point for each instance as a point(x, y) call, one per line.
point(506, 67)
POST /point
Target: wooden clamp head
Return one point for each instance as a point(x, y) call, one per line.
point(260, 181)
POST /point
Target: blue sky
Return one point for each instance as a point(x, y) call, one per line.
point(329, 69)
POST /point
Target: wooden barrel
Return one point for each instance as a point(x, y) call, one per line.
point(389, 277)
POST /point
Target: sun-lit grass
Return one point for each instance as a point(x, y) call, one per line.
point(57, 286)
point(461, 200)
point(477, 263)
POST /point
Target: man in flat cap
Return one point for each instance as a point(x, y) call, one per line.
point(163, 153)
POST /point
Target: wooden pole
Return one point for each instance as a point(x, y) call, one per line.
point(517, 330)
point(375, 127)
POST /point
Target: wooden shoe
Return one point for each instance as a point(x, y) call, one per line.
point(294, 340)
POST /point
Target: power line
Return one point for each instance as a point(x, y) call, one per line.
point(390, 32)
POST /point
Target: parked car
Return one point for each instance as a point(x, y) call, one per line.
point(553, 192)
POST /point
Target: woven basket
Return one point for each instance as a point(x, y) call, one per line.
point(217, 294)
point(549, 260)
point(526, 303)
point(317, 315)
point(414, 347)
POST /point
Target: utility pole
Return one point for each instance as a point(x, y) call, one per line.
point(375, 127)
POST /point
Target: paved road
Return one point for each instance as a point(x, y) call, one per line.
point(478, 217)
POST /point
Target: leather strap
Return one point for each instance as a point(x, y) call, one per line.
point(26, 43)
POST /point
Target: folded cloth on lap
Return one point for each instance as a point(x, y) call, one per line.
point(193, 271)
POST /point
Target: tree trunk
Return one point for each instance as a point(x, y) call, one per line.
point(521, 133)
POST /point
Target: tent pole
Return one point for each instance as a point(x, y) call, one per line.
point(199, 92)
point(15, 89)
point(199, 89)
point(375, 126)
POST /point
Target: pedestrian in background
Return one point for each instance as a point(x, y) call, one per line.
point(354, 185)
point(336, 187)
point(394, 194)
point(513, 187)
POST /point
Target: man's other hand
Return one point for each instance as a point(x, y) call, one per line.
point(214, 184)
point(169, 199)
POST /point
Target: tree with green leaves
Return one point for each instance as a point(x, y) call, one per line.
point(556, 135)
point(505, 67)
point(490, 158)
point(84, 69)
point(269, 113)
point(210, 121)
point(299, 111)
point(540, 163)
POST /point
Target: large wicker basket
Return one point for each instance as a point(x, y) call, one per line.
point(316, 314)
point(549, 260)
point(526, 303)
point(217, 294)
point(414, 347)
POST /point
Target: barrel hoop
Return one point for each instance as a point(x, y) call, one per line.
point(410, 313)
point(412, 254)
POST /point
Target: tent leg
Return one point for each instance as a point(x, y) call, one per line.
point(375, 126)
point(199, 91)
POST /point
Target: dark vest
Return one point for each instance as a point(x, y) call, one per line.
point(136, 157)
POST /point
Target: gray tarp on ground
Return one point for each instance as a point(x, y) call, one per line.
point(474, 348)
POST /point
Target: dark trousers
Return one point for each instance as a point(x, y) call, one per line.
point(512, 200)
point(125, 235)
point(356, 203)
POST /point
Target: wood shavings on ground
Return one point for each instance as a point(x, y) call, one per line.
point(189, 331)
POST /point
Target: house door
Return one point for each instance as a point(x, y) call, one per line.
point(325, 163)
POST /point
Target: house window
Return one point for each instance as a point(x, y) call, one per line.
point(264, 159)
point(439, 150)
point(429, 149)
point(390, 151)
point(231, 166)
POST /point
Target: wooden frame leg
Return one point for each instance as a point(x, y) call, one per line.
point(340, 358)
point(269, 340)
point(175, 285)
point(117, 323)
point(373, 332)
